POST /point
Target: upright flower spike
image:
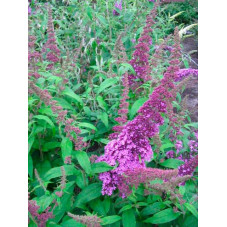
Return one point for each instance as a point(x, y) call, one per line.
point(132, 147)
point(140, 59)
point(70, 130)
point(50, 47)
point(33, 57)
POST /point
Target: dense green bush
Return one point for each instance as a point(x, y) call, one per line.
point(90, 70)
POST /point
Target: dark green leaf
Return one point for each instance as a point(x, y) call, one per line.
point(172, 163)
point(152, 209)
point(136, 106)
point(107, 83)
point(30, 166)
point(128, 218)
point(72, 223)
point(68, 92)
point(66, 147)
point(89, 193)
point(163, 216)
point(100, 167)
point(84, 161)
point(87, 125)
point(110, 219)
point(192, 209)
point(56, 172)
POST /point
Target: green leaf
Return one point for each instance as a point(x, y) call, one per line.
point(31, 140)
point(65, 202)
point(110, 219)
point(163, 216)
point(89, 193)
point(192, 209)
point(87, 125)
point(64, 103)
point(172, 163)
point(102, 20)
point(44, 201)
point(127, 67)
point(56, 172)
point(102, 140)
point(128, 218)
point(45, 118)
point(72, 223)
point(87, 110)
point(166, 145)
point(102, 103)
point(46, 111)
point(190, 221)
point(81, 180)
point(107, 83)
point(100, 167)
point(135, 107)
point(194, 125)
point(152, 209)
point(68, 92)
point(89, 12)
point(97, 206)
point(50, 145)
point(84, 161)
point(104, 118)
point(127, 207)
point(30, 166)
point(66, 147)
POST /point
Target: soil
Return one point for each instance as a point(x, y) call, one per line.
point(191, 44)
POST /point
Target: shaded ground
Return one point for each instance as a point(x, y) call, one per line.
point(190, 46)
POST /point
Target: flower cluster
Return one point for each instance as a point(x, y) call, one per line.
point(169, 187)
point(182, 73)
point(188, 167)
point(70, 130)
point(131, 148)
point(50, 47)
point(42, 218)
point(140, 59)
point(33, 56)
point(135, 177)
point(178, 146)
point(118, 5)
point(170, 154)
point(63, 183)
point(88, 221)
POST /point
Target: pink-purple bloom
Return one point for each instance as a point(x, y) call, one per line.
point(178, 146)
point(118, 5)
point(170, 154)
point(183, 73)
point(131, 149)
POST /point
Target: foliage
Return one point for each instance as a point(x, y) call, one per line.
point(80, 100)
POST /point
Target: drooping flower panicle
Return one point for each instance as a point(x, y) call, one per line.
point(132, 148)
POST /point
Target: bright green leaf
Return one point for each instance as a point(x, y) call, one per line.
point(163, 216)
point(136, 106)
